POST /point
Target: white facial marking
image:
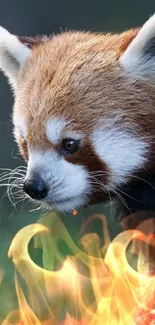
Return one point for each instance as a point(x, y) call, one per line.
point(73, 135)
point(54, 129)
point(20, 128)
point(68, 184)
point(122, 153)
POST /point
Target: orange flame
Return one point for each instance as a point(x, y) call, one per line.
point(95, 285)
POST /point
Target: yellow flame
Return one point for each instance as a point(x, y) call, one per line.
point(96, 285)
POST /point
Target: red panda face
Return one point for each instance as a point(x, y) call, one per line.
point(79, 117)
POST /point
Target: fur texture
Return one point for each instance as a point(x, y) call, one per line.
point(97, 88)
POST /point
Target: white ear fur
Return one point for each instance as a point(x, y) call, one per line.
point(139, 57)
point(12, 55)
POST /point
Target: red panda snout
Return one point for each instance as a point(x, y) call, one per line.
point(35, 188)
point(58, 184)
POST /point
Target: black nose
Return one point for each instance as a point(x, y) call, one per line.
point(35, 188)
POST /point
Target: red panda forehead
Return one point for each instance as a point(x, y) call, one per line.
point(66, 54)
point(76, 76)
point(74, 88)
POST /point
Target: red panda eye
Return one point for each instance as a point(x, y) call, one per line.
point(69, 146)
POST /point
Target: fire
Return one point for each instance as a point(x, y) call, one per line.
point(94, 285)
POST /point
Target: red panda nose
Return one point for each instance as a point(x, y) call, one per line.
point(35, 188)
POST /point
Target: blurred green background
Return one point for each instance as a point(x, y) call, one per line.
point(45, 17)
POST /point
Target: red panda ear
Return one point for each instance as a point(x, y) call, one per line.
point(14, 51)
point(138, 59)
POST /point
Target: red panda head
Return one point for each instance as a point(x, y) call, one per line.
point(84, 111)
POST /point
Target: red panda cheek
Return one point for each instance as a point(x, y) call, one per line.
point(87, 157)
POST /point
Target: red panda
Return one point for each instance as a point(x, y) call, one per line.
point(84, 111)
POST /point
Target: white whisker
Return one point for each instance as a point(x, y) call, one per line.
point(13, 180)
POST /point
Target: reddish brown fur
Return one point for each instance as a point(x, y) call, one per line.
point(128, 38)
